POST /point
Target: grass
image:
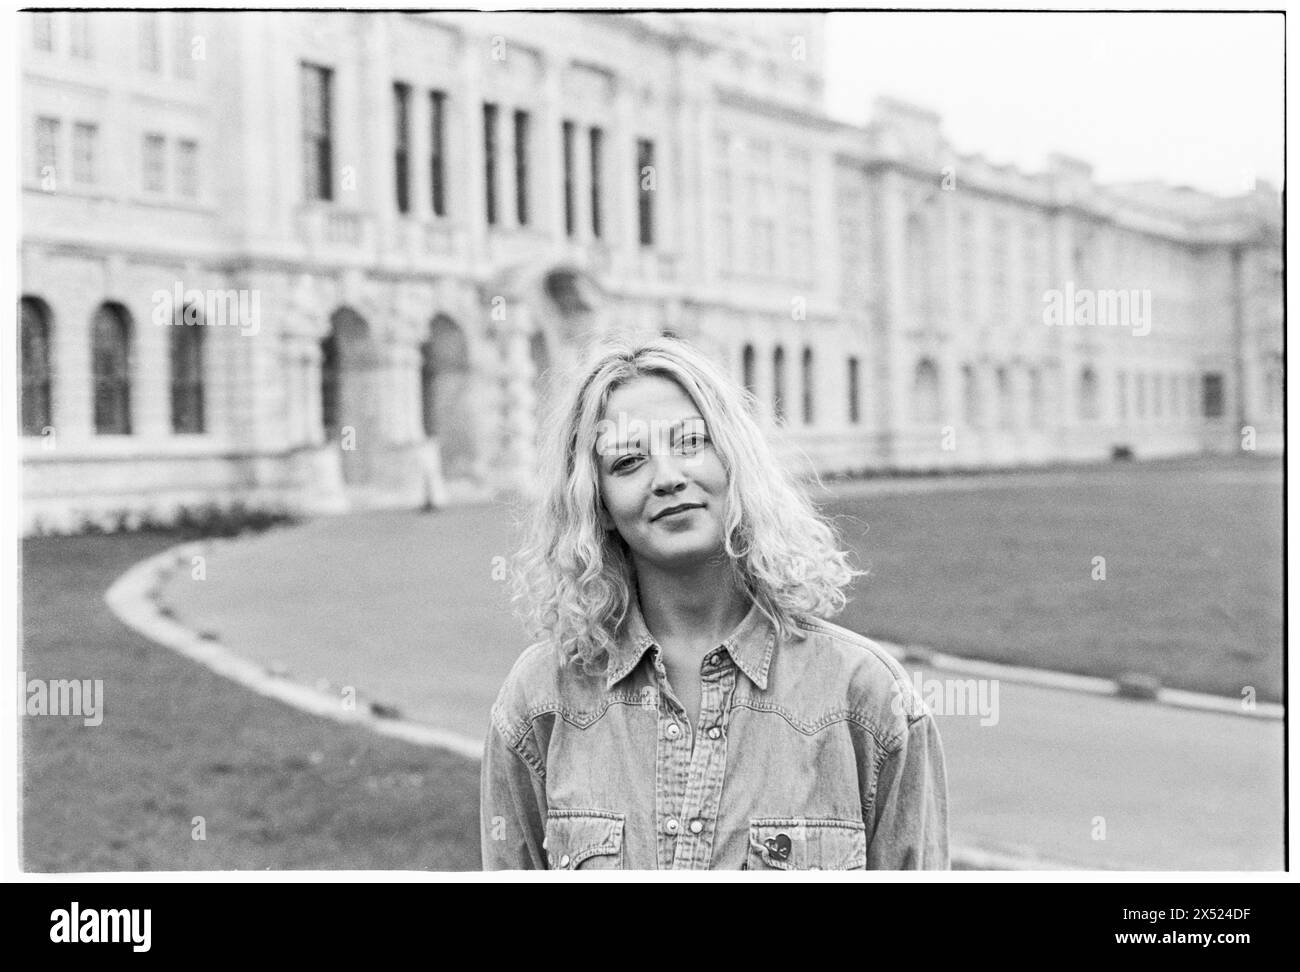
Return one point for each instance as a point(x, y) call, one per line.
point(275, 788)
point(1193, 573)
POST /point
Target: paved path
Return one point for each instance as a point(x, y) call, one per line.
point(402, 607)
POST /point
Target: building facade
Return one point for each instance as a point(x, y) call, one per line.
point(329, 261)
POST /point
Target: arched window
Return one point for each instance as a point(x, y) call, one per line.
point(778, 384)
point(187, 353)
point(111, 368)
point(1158, 395)
point(1121, 395)
point(970, 394)
point(444, 359)
point(925, 391)
point(1087, 395)
point(1140, 384)
point(854, 410)
point(34, 324)
point(747, 369)
point(807, 386)
point(348, 372)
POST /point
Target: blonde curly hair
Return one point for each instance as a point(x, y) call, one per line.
point(575, 579)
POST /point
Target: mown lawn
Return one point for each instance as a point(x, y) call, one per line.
point(275, 788)
point(1193, 572)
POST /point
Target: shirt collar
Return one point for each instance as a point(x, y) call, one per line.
point(750, 645)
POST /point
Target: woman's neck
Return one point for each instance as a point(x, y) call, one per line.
point(692, 611)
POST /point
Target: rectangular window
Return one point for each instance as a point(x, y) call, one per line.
point(155, 147)
point(187, 168)
point(79, 40)
point(43, 31)
point(1212, 395)
point(318, 149)
point(437, 152)
point(521, 167)
point(47, 148)
point(183, 44)
point(646, 176)
point(402, 145)
point(84, 139)
point(570, 216)
point(490, 161)
point(597, 138)
point(187, 380)
point(150, 43)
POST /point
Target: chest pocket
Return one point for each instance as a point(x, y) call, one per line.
point(587, 839)
point(803, 844)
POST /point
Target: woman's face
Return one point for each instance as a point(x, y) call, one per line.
point(654, 453)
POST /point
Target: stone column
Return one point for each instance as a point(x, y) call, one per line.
point(517, 462)
point(375, 102)
point(468, 191)
point(622, 176)
point(548, 140)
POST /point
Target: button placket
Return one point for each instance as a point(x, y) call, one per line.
point(672, 766)
point(707, 768)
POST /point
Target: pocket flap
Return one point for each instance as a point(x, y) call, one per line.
point(802, 844)
point(574, 837)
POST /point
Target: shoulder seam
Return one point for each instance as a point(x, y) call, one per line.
point(890, 743)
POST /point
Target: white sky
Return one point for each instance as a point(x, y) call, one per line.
point(1191, 99)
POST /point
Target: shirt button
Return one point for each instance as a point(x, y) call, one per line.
point(715, 732)
point(673, 731)
point(696, 826)
point(672, 826)
point(564, 861)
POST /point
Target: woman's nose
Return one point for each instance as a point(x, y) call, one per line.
point(667, 474)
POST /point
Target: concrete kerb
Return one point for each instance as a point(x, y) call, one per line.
point(1088, 684)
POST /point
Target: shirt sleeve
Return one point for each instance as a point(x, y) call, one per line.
point(512, 807)
point(907, 825)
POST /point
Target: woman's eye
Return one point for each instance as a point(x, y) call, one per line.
point(625, 463)
point(694, 441)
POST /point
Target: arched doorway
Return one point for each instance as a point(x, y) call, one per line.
point(351, 390)
point(444, 392)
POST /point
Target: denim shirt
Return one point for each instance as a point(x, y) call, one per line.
point(812, 753)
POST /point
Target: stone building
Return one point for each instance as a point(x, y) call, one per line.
point(329, 261)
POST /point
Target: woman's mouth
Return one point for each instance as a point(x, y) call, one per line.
point(676, 511)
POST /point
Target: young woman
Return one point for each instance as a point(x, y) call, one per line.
point(686, 704)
